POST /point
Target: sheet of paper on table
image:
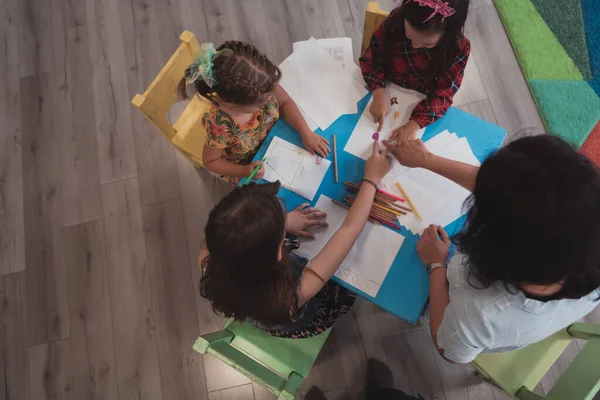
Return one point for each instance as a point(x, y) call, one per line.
point(371, 257)
point(296, 169)
point(438, 200)
point(319, 84)
point(361, 139)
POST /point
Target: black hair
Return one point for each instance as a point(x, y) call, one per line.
point(444, 53)
point(243, 277)
point(244, 76)
point(534, 218)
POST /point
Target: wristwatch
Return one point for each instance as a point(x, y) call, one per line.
point(431, 267)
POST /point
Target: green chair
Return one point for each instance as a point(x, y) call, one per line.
point(518, 372)
point(280, 365)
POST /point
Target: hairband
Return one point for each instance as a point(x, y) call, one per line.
point(437, 6)
point(203, 65)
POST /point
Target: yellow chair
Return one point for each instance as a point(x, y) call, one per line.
point(187, 133)
point(374, 16)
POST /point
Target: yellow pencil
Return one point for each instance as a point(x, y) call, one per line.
point(410, 203)
point(389, 209)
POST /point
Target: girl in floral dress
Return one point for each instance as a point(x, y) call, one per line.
point(243, 86)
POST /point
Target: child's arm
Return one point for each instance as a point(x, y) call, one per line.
point(213, 160)
point(437, 103)
point(324, 265)
point(291, 113)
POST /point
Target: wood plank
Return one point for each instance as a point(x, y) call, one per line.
point(154, 154)
point(260, 393)
point(172, 295)
point(340, 394)
point(48, 317)
point(12, 225)
point(94, 375)
point(76, 119)
point(459, 381)
point(500, 72)
point(35, 26)
point(352, 355)
point(353, 19)
point(218, 22)
point(390, 325)
point(425, 378)
point(365, 315)
point(51, 374)
point(400, 362)
point(243, 392)
point(249, 24)
point(323, 18)
point(114, 130)
point(132, 312)
point(200, 192)
point(221, 376)
point(472, 88)
point(327, 373)
point(14, 360)
point(481, 109)
point(559, 366)
point(284, 27)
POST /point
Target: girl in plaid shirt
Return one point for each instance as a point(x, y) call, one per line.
point(419, 46)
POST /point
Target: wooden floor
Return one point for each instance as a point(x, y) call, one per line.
point(101, 220)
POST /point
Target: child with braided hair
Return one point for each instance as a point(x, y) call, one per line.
point(243, 85)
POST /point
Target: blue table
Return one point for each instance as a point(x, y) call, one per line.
point(405, 290)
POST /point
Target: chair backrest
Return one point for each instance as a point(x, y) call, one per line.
point(187, 132)
point(277, 364)
point(581, 380)
point(374, 16)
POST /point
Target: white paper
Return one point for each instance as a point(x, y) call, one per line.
point(338, 48)
point(371, 257)
point(361, 139)
point(296, 169)
point(312, 125)
point(319, 84)
point(438, 200)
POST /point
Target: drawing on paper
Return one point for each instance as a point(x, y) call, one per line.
point(396, 115)
point(286, 162)
point(393, 100)
point(337, 53)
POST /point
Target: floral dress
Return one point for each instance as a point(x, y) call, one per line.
point(240, 141)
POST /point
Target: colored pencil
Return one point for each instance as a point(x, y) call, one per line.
point(380, 192)
point(410, 203)
point(377, 213)
point(398, 213)
point(394, 206)
point(259, 166)
point(347, 207)
point(335, 163)
point(391, 195)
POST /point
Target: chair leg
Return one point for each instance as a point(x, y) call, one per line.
point(291, 387)
point(526, 394)
point(204, 342)
point(584, 331)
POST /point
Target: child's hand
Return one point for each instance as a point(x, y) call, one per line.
point(259, 174)
point(406, 132)
point(302, 218)
point(378, 165)
point(316, 143)
point(379, 108)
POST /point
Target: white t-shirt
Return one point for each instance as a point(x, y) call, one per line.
point(494, 320)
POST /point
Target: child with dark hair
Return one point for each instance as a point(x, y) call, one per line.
point(243, 85)
point(248, 274)
point(419, 46)
point(528, 262)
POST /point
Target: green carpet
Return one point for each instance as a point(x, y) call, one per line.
point(552, 43)
point(565, 19)
point(567, 104)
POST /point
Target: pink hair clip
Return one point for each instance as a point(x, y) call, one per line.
point(437, 6)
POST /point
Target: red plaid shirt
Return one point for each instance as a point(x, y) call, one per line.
point(407, 69)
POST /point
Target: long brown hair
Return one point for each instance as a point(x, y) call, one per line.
point(243, 277)
point(444, 53)
point(243, 75)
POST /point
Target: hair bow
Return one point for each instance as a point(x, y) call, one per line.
point(202, 67)
point(437, 6)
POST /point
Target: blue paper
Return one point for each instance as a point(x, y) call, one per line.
point(405, 290)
